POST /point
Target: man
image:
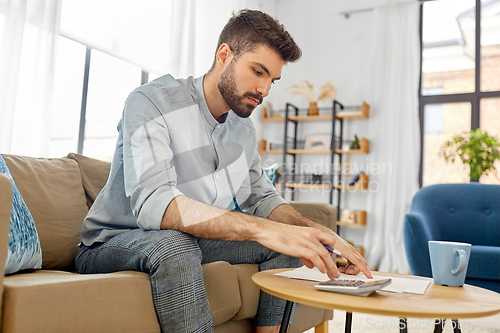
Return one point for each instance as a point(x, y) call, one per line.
point(186, 148)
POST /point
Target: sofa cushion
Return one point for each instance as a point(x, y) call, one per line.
point(306, 317)
point(221, 286)
point(55, 301)
point(249, 291)
point(232, 326)
point(24, 251)
point(94, 175)
point(318, 212)
point(53, 192)
point(5, 207)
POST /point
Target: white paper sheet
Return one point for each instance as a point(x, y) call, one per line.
point(398, 284)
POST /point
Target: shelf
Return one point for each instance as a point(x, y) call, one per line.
point(263, 148)
point(363, 113)
point(309, 151)
point(361, 184)
point(342, 262)
point(360, 223)
point(321, 117)
point(275, 119)
point(298, 185)
point(272, 151)
point(364, 148)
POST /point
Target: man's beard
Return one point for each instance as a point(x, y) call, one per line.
point(229, 91)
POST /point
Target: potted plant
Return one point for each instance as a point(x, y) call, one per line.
point(355, 144)
point(475, 148)
point(306, 89)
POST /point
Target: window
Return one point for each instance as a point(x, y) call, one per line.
point(460, 87)
point(433, 115)
point(448, 47)
point(100, 99)
point(455, 119)
point(110, 82)
point(490, 122)
point(67, 96)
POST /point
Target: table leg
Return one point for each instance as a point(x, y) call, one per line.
point(456, 326)
point(286, 317)
point(403, 325)
point(321, 328)
point(439, 325)
point(348, 322)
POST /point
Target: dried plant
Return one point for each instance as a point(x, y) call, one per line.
point(306, 89)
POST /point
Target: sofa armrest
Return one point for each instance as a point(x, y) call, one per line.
point(322, 213)
point(5, 211)
point(484, 263)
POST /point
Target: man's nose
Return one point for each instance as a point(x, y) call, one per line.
point(264, 88)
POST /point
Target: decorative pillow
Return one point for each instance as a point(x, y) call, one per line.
point(270, 173)
point(24, 250)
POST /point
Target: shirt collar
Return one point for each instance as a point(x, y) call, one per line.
point(203, 103)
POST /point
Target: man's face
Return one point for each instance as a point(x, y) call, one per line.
point(247, 80)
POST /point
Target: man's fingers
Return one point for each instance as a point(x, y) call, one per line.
point(331, 268)
point(320, 258)
point(359, 264)
point(355, 252)
point(308, 263)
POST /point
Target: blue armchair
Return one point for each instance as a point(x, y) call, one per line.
point(466, 213)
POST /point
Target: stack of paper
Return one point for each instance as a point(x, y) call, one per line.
point(398, 285)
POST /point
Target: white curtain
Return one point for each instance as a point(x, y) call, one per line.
point(196, 25)
point(28, 36)
point(394, 132)
point(161, 36)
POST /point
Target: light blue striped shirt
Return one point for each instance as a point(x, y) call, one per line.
point(169, 144)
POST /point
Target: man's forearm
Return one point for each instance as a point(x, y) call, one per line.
point(286, 231)
point(204, 221)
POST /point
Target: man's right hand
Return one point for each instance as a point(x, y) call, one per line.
point(308, 244)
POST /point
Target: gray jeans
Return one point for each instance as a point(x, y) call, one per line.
point(173, 261)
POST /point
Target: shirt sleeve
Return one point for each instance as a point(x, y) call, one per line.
point(263, 198)
point(150, 177)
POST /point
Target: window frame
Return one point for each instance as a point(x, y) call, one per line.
point(473, 98)
point(85, 87)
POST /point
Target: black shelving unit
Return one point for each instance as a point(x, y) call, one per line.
point(291, 140)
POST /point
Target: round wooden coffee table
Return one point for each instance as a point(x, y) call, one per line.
point(437, 302)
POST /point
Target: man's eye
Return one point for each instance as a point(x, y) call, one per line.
point(257, 72)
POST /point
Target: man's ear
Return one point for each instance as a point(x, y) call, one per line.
point(224, 54)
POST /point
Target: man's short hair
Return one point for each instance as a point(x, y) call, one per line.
point(249, 29)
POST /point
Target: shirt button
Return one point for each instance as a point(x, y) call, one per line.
point(216, 176)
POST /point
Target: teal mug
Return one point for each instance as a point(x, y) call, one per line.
point(449, 261)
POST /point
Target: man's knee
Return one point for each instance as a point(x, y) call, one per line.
point(174, 249)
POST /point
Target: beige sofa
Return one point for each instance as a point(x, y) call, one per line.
point(58, 193)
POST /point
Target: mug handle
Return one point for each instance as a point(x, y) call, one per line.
point(463, 261)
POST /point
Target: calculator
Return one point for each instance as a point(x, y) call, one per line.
point(353, 287)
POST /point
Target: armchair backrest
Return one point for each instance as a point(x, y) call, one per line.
point(462, 212)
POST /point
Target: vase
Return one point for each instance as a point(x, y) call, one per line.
point(313, 109)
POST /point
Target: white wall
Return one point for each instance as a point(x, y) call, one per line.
point(334, 48)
